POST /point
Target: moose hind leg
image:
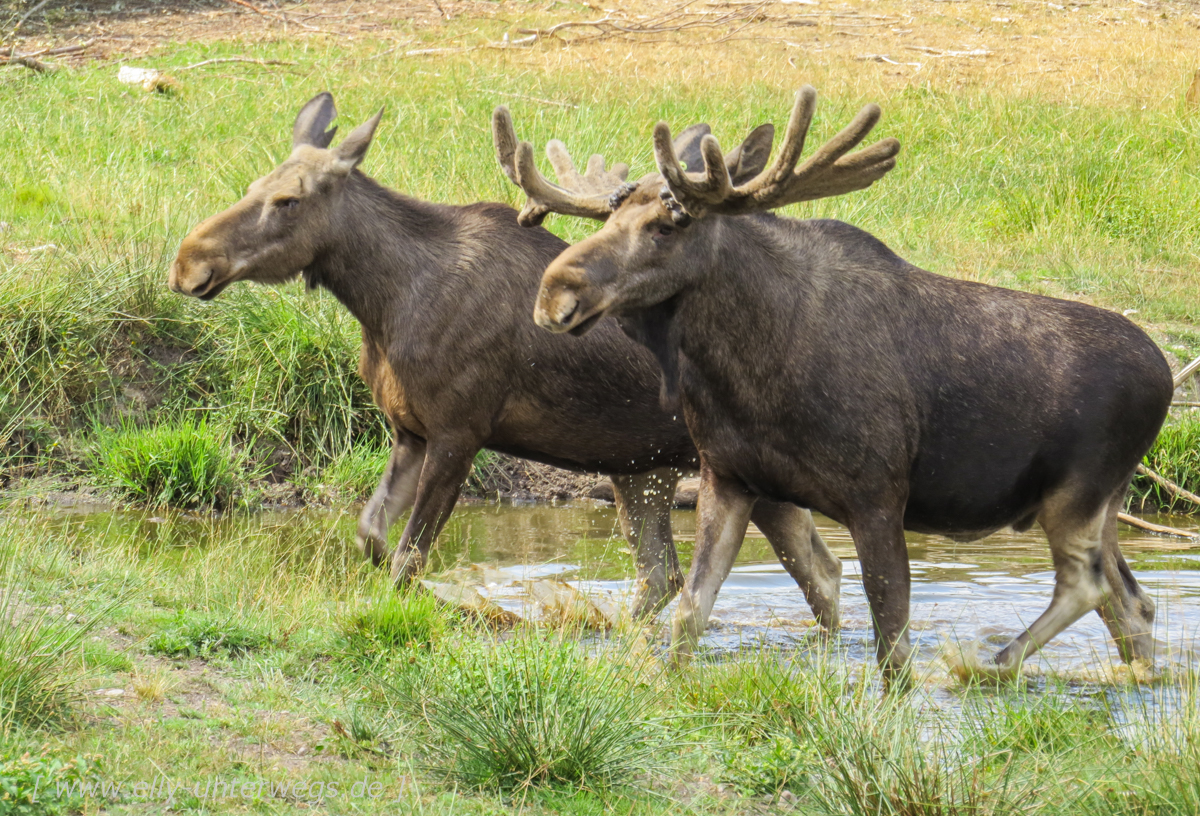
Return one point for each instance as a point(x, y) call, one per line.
point(1076, 547)
point(1127, 610)
point(394, 495)
point(805, 556)
point(722, 514)
point(644, 508)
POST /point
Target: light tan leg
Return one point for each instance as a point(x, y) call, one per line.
point(722, 514)
point(1076, 546)
point(391, 499)
point(1127, 610)
point(644, 503)
point(805, 556)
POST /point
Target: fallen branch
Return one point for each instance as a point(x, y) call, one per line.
point(235, 59)
point(1187, 371)
point(1142, 524)
point(30, 62)
point(1169, 486)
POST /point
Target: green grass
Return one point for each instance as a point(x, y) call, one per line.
point(1079, 201)
point(275, 655)
point(185, 463)
point(41, 653)
point(535, 710)
point(391, 620)
point(200, 635)
point(1175, 456)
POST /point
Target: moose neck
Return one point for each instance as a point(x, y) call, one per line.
point(383, 244)
point(739, 288)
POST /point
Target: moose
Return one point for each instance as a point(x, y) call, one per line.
point(815, 366)
point(455, 364)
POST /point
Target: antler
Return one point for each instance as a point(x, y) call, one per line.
point(828, 172)
point(587, 195)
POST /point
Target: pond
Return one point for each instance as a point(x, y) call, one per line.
point(984, 590)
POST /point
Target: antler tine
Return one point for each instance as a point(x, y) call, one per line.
point(586, 196)
point(696, 192)
point(828, 172)
point(793, 141)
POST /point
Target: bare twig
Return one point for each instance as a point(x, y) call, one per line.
point(1187, 371)
point(30, 62)
point(1169, 486)
point(235, 59)
point(1142, 524)
point(26, 16)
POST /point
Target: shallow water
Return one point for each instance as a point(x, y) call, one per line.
point(984, 590)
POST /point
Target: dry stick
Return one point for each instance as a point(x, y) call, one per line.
point(1169, 486)
point(1142, 524)
point(1187, 371)
point(235, 59)
point(30, 62)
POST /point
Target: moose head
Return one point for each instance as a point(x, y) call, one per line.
point(659, 231)
point(279, 227)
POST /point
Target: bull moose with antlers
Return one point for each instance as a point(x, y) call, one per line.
point(817, 367)
point(454, 362)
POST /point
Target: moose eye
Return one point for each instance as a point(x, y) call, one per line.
point(664, 230)
point(286, 203)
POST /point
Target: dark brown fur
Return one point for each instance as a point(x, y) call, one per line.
point(817, 367)
point(442, 293)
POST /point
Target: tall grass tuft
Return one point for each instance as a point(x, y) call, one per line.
point(183, 464)
point(534, 711)
point(41, 655)
point(392, 620)
point(1176, 456)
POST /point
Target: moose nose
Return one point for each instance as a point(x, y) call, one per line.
point(190, 277)
point(555, 311)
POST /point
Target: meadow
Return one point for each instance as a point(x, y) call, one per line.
point(1063, 162)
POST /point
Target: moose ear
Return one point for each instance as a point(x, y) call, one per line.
point(352, 149)
point(687, 147)
point(312, 120)
point(657, 329)
point(749, 158)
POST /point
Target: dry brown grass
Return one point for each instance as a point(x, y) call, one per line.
point(1127, 52)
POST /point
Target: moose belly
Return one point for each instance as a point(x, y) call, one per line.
point(970, 496)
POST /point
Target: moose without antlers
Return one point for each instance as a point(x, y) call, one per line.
point(817, 367)
point(454, 362)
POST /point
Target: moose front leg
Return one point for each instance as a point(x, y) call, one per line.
point(883, 555)
point(442, 476)
point(644, 508)
point(394, 495)
point(805, 555)
point(722, 514)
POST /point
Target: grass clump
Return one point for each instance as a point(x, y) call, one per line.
point(1175, 456)
point(183, 464)
point(204, 636)
point(393, 620)
point(534, 711)
point(41, 651)
point(44, 785)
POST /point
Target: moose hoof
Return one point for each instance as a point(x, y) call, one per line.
point(373, 549)
point(964, 663)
